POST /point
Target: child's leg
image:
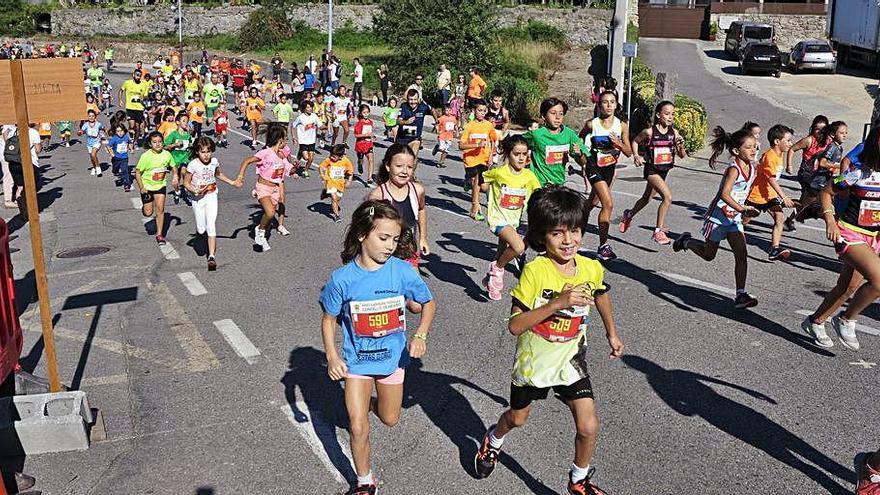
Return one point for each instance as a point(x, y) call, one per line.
point(778, 222)
point(357, 403)
point(334, 203)
point(268, 212)
point(211, 222)
point(388, 402)
point(310, 156)
point(148, 208)
point(442, 158)
point(847, 282)
point(345, 132)
point(253, 132)
point(126, 173)
point(865, 261)
point(93, 157)
point(513, 246)
point(335, 135)
point(159, 202)
point(658, 184)
point(737, 241)
point(602, 192)
point(370, 165)
point(512, 418)
point(279, 214)
point(475, 194)
point(643, 201)
point(704, 249)
point(587, 425)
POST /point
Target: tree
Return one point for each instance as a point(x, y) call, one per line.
point(426, 33)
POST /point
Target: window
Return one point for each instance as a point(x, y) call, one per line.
point(758, 32)
point(818, 48)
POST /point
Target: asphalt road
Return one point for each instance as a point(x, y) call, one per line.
point(708, 399)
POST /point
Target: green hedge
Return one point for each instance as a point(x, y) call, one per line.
point(522, 96)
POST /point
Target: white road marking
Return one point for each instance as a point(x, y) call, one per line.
point(859, 327)
point(238, 340)
point(169, 251)
point(199, 355)
point(308, 429)
point(192, 284)
point(622, 193)
point(717, 288)
point(864, 364)
point(450, 212)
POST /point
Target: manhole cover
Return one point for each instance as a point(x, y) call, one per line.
point(83, 252)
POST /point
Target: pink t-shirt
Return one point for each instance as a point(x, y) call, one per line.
point(272, 167)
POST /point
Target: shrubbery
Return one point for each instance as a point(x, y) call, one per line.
point(522, 96)
point(691, 119)
point(265, 27)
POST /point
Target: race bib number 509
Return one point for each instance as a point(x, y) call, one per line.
point(378, 318)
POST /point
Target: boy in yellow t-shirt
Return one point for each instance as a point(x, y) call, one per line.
point(477, 145)
point(550, 310)
point(337, 173)
point(766, 194)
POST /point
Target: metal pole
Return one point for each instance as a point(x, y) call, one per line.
point(180, 31)
point(629, 89)
point(329, 26)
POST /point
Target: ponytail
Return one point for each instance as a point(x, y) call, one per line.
point(724, 139)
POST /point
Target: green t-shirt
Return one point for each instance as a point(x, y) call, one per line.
point(181, 155)
point(390, 116)
point(553, 352)
point(282, 112)
point(550, 153)
point(96, 75)
point(154, 168)
point(213, 94)
point(509, 193)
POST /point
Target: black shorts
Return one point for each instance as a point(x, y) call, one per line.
point(135, 115)
point(406, 139)
point(650, 169)
point(306, 147)
point(475, 171)
point(769, 205)
point(237, 89)
point(521, 397)
point(147, 197)
point(472, 102)
point(601, 174)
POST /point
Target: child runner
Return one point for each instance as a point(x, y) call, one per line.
point(767, 195)
point(724, 216)
point(196, 111)
point(396, 184)
point(661, 144)
point(306, 126)
point(549, 317)
point(94, 132)
point(169, 122)
point(477, 144)
point(812, 146)
point(321, 110)
point(272, 168)
point(282, 111)
point(151, 174)
point(254, 105)
point(221, 124)
point(447, 126)
point(509, 187)
point(341, 112)
point(363, 144)
point(553, 143)
point(65, 129)
point(177, 142)
point(755, 130)
point(119, 146)
point(607, 137)
point(369, 297)
point(336, 171)
point(45, 132)
point(389, 118)
point(200, 180)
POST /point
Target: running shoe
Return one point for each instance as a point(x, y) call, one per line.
point(660, 237)
point(867, 479)
point(93, 171)
point(584, 486)
point(605, 253)
point(681, 243)
point(494, 282)
point(66, 144)
point(744, 300)
point(212, 264)
point(160, 240)
point(360, 168)
point(337, 219)
point(478, 216)
point(260, 239)
point(778, 253)
point(283, 230)
point(625, 221)
point(305, 174)
point(846, 330)
point(99, 172)
point(254, 193)
point(486, 457)
point(817, 331)
point(370, 489)
point(176, 196)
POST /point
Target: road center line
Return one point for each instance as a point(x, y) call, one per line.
point(717, 288)
point(238, 340)
point(859, 327)
point(308, 426)
point(192, 284)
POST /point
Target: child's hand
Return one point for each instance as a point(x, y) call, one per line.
point(576, 149)
point(336, 369)
point(615, 140)
point(572, 296)
point(832, 233)
point(750, 212)
point(638, 160)
point(616, 347)
point(787, 202)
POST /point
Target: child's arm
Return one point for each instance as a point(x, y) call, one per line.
point(187, 183)
point(729, 178)
point(244, 165)
point(828, 164)
point(804, 143)
point(638, 140)
point(832, 233)
point(603, 306)
point(423, 221)
point(679, 145)
point(335, 365)
point(224, 178)
point(418, 343)
point(776, 187)
point(522, 321)
point(622, 142)
point(137, 178)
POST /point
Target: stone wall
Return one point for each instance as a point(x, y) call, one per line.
point(582, 26)
point(789, 28)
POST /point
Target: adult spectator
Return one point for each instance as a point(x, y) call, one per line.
point(132, 92)
point(15, 167)
point(476, 86)
point(333, 73)
point(358, 88)
point(444, 83)
point(416, 86)
point(277, 65)
point(384, 83)
point(311, 64)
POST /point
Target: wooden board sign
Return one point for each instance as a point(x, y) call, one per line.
point(53, 87)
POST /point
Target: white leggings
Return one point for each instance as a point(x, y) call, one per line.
point(205, 210)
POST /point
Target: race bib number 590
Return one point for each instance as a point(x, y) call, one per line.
point(378, 318)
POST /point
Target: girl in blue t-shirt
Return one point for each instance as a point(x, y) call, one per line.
point(369, 297)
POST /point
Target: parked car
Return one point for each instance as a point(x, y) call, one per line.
point(741, 33)
point(813, 54)
point(760, 57)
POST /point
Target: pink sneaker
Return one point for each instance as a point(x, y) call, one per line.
point(494, 282)
point(660, 237)
point(868, 479)
point(625, 221)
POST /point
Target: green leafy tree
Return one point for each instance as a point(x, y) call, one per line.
point(426, 33)
point(265, 27)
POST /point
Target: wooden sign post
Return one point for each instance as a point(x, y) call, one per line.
point(42, 90)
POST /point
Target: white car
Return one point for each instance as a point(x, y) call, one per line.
point(813, 54)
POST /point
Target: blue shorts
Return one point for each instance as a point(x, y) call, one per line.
point(496, 229)
point(716, 232)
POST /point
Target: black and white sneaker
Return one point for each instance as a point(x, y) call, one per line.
point(744, 300)
point(680, 244)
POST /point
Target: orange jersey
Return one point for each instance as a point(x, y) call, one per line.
point(770, 166)
point(480, 132)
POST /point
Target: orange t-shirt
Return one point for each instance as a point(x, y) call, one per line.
point(335, 173)
point(446, 125)
point(196, 111)
point(255, 108)
point(770, 166)
point(478, 132)
point(476, 87)
point(166, 127)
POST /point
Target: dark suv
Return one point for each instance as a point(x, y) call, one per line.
point(760, 57)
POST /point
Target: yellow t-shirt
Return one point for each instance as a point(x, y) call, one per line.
point(509, 193)
point(135, 93)
point(255, 108)
point(335, 173)
point(553, 352)
point(478, 132)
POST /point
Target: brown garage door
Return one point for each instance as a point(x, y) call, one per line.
point(668, 21)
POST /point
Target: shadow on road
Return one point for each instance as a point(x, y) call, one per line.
point(689, 394)
point(718, 54)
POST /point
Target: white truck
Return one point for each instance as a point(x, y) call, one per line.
point(854, 30)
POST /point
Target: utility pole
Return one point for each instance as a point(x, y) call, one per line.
point(180, 29)
point(329, 26)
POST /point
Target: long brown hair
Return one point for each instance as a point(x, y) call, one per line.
point(363, 220)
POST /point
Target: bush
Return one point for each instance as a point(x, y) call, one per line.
point(264, 28)
point(17, 19)
point(522, 96)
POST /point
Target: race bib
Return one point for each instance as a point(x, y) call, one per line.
point(512, 198)
point(479, 138)
point(378, 318)
point(605, 159)
point(184, 144)
point(740, 198)
point(122, 148)
point(449, 126)
point(337, 172)
point(221, 120)
point(409, 130)
point(92, 131)
point(367, 129)
point(555, 154)
point(278, 171)
point(158, 174)
point(663, 155)
point(209, 188)
point(869, 213)
point(564, 325)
